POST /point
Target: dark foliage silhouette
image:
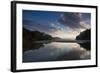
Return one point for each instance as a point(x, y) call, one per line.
point(85, 35)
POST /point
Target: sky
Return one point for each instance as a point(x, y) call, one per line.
point(65, 25)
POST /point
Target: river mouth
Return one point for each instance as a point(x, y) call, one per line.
point(55, 51)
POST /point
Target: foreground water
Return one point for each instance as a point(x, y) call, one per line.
point(56, 51)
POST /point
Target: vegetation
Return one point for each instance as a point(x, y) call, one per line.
point(85, 35)
point(29, 38)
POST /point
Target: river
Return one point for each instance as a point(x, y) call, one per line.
point(56, 51)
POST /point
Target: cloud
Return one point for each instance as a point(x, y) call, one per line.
point(63, 34)
point(35, 26)
point(73, 20)
point(67, 25)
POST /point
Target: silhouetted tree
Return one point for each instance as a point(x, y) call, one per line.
point(85, 35)
point(29, 38)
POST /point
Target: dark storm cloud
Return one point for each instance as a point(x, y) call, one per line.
point(72, 20)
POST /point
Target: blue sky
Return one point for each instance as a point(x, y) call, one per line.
point(57, 24)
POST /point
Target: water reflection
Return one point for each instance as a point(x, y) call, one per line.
point(56, 51)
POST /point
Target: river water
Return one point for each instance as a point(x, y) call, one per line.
point(56, 51)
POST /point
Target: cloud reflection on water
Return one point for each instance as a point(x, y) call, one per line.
point(56, 51)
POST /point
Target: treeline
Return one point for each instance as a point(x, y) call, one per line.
point(35, 35)
point(29, 38)
point(85, 35)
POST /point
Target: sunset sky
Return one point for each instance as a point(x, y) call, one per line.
point(66, 25)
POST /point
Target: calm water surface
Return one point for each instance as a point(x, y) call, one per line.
point(56, 51)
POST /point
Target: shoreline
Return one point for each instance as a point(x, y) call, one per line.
point(63, 41)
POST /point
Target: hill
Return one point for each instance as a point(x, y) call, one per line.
point(85, 35)
point(29, 38)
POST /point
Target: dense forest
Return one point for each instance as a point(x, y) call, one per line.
point(29, 38)
point(35, 35)
point(85, 35)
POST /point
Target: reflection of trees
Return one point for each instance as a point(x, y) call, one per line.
point(30, 37)
point(31, 46)
point(86, 45)
point(85, 35)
